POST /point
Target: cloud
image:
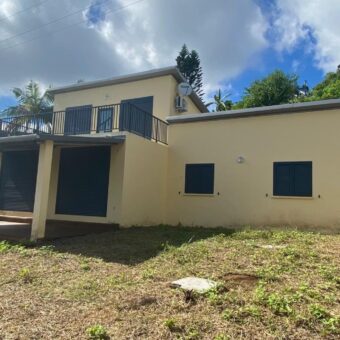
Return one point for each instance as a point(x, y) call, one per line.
point(122, 36)
point(314, 23)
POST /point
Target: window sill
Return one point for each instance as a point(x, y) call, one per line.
point(294, 197)
point(200, 195)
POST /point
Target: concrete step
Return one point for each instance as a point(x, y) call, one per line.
point(19, 219)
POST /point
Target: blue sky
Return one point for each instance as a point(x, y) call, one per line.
point(58, 43)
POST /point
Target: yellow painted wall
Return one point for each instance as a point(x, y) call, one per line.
point(137, 184)
point(144, 187)
point(242, 188)
point(163, 89)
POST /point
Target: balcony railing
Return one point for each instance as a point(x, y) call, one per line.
point(88, 120)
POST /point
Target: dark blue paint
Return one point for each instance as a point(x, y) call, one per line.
point(293, 179)
point(199, 178)
point(18, 180)
point(136, 116)
point(78, 120)
point(83, 181)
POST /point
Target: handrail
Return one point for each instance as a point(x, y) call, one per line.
point(88, 120)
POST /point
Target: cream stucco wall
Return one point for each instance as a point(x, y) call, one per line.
point(144, 186)
point(163, 89)
point(137, 184)
point(243, 192)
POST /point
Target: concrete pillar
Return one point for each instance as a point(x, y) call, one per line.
point(42, 190)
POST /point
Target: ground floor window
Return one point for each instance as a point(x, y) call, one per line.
point(293, 179)
point(199, 178)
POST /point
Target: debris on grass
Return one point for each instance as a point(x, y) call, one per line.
point(196, 284)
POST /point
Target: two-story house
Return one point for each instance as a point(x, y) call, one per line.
point(117, 151)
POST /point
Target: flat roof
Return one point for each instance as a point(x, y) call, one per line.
point(34, 139)
point(159, 72)
point(257, 111)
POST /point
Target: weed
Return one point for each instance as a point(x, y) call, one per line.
point(84, 265)
point(279, 304)
point(318, 311)
point(228, 314)
point(97, 332)
point(170, 324)
point(221, 337)
point(25, 275)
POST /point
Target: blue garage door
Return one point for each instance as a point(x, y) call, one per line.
point(18, 180)
point(83, 181)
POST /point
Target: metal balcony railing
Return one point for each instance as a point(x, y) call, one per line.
point(88, 120)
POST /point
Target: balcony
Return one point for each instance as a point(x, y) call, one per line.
point(87, 120)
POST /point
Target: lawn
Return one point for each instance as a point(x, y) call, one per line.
point(272, 285)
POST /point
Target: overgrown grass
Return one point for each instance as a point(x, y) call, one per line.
point(271, 284)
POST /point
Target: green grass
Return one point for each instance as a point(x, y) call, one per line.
point(117, 285)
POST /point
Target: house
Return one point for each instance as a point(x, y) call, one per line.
point(117, 151)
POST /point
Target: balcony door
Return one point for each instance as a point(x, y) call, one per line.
point(78, 120)
point(136, 116)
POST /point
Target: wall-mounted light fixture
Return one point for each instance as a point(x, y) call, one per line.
point(240, 159)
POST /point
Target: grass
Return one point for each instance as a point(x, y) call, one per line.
point(116, 285)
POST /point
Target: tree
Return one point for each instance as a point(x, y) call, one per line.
point(276, 88)
point(189, 65)
point(30, 103)
point(221, 102)
point(329, 88)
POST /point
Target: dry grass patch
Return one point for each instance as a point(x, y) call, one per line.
point(282, 284)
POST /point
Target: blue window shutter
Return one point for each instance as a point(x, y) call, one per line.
point(283, 179)
point(199, 178)
point(292, 179)
point(303, 179)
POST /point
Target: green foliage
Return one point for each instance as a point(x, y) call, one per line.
point(4, 246)
point(329, 88)
point(170, 324)
point(25, 275)
point(221, 102)
point(189, 65)
point(97, 332)
point(318, 312)
point(279, 304)
point(276, 88)
point(30, 101)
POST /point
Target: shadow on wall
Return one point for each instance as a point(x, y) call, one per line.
point(133, 245)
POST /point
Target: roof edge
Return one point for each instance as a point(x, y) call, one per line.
point(257, 111)
point(170, 70)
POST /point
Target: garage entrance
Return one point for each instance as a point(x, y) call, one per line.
point(18, 180)
point(83, 181)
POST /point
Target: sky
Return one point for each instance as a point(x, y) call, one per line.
point(60, 42)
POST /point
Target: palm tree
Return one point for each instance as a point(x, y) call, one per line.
point(221, 102)
point(31, 110)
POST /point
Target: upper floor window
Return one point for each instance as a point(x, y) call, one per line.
point(293, 179)
point(199, 178)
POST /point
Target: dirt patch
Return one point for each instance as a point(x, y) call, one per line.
point(231, 279)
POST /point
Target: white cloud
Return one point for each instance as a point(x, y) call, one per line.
point(227, 35)
point(315, 22)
